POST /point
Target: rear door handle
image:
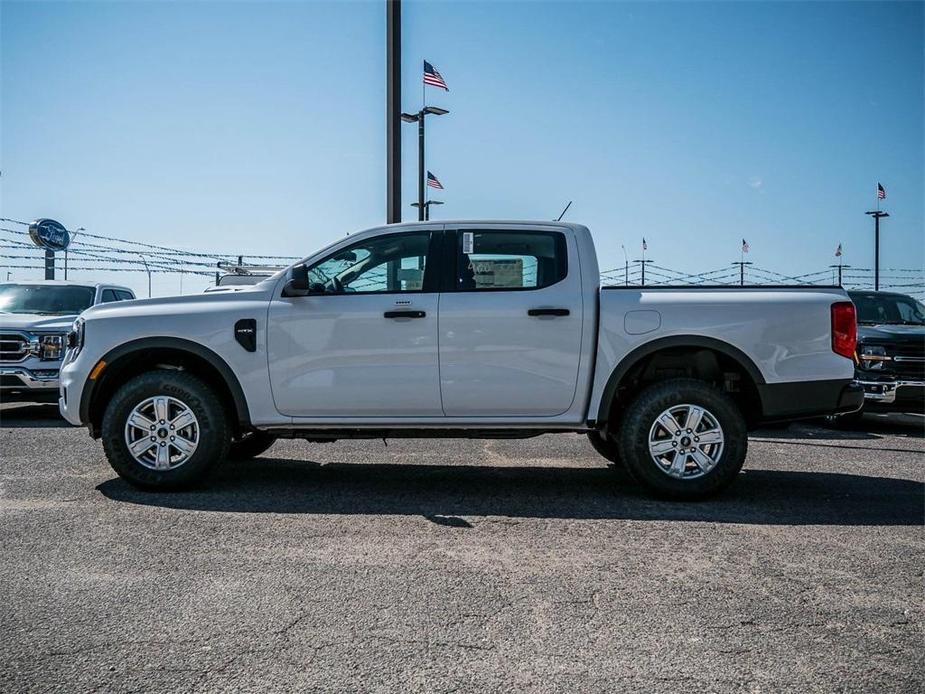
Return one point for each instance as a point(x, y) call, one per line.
point(547, 312)
point(404, 314)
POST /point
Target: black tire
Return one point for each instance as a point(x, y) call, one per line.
point(214, 434)
point(249, 445)
point(639, 418)
point(605, 446)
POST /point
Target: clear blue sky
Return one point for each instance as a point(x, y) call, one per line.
point(259, 127)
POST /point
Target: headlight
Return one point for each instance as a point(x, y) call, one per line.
point(49, 347)
point(75, 338)
point(872, 357)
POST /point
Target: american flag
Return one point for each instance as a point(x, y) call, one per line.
point(433, 182)
point(881, 192)
point(432, 77)
point(838, 251)
point(745, 246)
point(645, 246)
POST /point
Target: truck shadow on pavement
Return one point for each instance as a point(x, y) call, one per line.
point(445, 494)
point(31, 416)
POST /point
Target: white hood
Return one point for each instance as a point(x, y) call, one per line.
point(35, 321)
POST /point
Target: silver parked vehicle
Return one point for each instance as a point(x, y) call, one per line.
point(34, 320)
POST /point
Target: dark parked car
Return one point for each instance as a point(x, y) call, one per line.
point(890, 352)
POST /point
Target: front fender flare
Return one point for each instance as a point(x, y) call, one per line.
point(146, 343)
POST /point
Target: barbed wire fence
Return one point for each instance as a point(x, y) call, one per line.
point(90, 252)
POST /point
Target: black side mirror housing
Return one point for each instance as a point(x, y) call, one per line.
point(298, 284)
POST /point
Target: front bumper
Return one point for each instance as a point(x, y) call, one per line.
point(893, 392)
point(18, 383)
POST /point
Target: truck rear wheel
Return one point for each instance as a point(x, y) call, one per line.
point(164, 430)
point(683, 439)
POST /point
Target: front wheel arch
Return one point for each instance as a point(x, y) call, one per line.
point(149, 354)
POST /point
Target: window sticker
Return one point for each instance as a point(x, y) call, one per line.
point(468, 242)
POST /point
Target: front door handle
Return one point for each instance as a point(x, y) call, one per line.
point(547, 312)
point(404, 314)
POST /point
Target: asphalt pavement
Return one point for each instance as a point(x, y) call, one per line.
point(465, 566)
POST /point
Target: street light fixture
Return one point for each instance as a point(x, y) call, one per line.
point(419, 119)
point(427, 207)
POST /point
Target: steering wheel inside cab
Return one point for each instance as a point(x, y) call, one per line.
point(300, 285)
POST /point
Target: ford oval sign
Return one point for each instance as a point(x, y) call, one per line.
point(49, 234)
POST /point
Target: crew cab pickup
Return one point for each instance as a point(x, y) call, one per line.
point(35, 318)
point(458, 329)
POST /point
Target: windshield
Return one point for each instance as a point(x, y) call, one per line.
point(45, 299)
point(888, 309)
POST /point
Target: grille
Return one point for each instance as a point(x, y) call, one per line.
point(8, 381)
point(13, 347)
point(908, 360)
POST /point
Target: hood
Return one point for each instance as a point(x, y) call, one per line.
point(891, 333)
point(188, 303)
point(35, 321)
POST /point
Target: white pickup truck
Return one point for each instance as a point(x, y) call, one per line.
point(458, 329)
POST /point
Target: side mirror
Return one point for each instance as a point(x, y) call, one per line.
point(298, 284)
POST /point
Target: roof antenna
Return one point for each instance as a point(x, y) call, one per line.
point(564, 211)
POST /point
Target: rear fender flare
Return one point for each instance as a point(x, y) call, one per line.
point(650, 348)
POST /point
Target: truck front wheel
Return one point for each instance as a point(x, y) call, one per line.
point(683, 439)
point(164, 430)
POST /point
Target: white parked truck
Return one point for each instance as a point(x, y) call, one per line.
point(35, 318)
point(458, 329)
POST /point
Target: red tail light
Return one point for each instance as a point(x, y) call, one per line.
point(844, 329)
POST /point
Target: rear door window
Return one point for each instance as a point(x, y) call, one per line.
point(509, 260)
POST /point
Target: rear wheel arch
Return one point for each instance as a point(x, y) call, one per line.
point(705, 358)
point(148, 354)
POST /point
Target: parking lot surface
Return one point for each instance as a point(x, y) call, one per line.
point(463, 566)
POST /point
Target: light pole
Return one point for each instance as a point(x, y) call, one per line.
point(626, 267)
point(742, 264)
point(148, 270)
point(642, 263)
point(839, 266)
point(419, 119)
point(392, 110)
point(76, 231)
point(877, 215)
point(427, 207)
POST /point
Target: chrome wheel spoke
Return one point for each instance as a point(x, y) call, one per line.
point(694, 415)
point(160, 409)
point(163, 457)
point(669, 423)
point(183, 420)
point(184, 445)
point(142, 445)
point(662, 447)
point(704, 462)
point(678, 465)
point(711, 436)
point(139, 421)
